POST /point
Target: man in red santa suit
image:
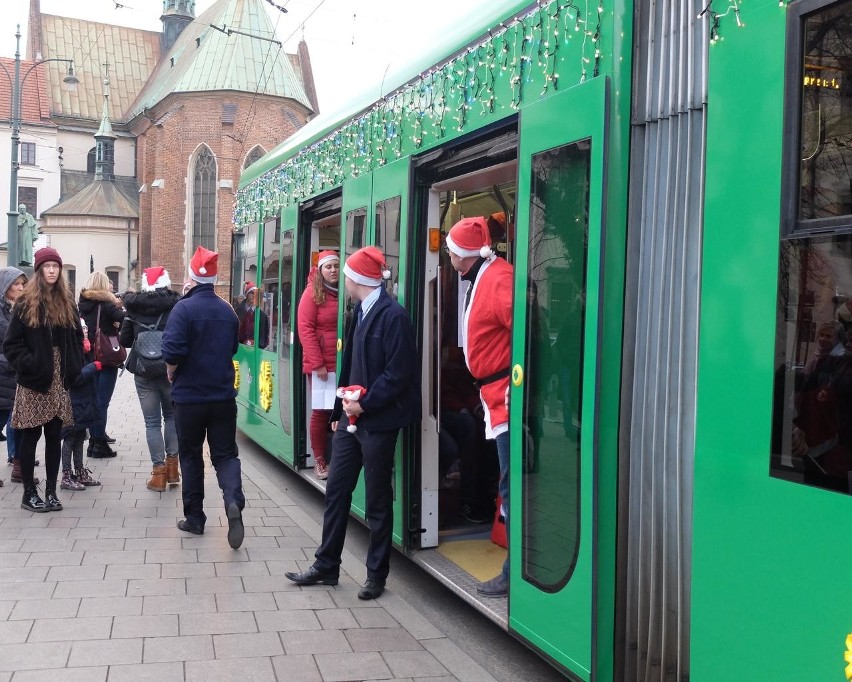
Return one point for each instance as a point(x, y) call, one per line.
point(486, 339)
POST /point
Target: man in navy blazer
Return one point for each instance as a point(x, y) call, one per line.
point(380, 354)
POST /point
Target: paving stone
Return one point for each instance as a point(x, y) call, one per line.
point(256, 601)
point(133, 572)
point(147, 672)
point(296, 667)
point(70, 629)
point(222, 554)
point(254, 669)
point(315, 642)
point(342, 667)
point(188, 570)
point(114, 557)
point(91, 674)
point(15, 631)
point(279, 621)
point(231, 622)
point(37, 656)
point(240, 568)
point(8, 559)
point(144, 588)
point(170, 556)
point(247, 645)
point(374, 618)
point(55, 559)
point(23, 574)
point(165, 625)
point(31, 609)
point(413, 664)
point(196, 603)
point(266, 583)
point(318, 597)
point(224, 585)
point(105, 652)
point(111, 606)
point(181, 648)
point(99, 546)
point(66, 573)
point(337, 619)
point(456, 660)
point(22, 591)
point(92, 588)
point(153, 543)
point(382, 639)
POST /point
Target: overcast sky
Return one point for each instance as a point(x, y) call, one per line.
point(351, 42)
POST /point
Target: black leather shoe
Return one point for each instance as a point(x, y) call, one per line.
point(236, 531)
point(32, 502)
point(372, 589)
point(109, 439)
point(188, 527)
point(312, 577)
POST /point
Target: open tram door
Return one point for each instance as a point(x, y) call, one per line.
point(553, 389)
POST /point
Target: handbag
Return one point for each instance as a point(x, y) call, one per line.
point(108, 351)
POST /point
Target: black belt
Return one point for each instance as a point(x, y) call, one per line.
point(491, 378)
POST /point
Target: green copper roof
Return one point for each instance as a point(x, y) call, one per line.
point(205, 59)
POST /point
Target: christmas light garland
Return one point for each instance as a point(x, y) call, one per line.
point(492, 75)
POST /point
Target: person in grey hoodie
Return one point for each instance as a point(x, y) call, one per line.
point(12, 282)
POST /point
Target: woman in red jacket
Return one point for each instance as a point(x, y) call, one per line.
point(318, 335)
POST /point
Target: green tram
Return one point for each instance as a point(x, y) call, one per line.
point(675, 183)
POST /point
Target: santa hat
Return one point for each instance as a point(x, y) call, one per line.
point(367, 266)
point(155, 278)
point(470, 238)
point(325, 257)
point(202, 267)
point(249, 287)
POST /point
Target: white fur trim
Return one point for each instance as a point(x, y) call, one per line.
point(358, 278)
point(352, 428)
point(486, 252)
point(327, 259)
point(163, 282)
point(460, 252)
point(202, 280)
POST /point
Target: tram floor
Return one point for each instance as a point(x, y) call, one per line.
point(505, 658)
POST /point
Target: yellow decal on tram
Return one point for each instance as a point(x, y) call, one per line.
point(236, 375)
point(266, 385)
point(847, 655)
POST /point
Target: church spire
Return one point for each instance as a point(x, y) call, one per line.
point(105, 139)
point(177, 15)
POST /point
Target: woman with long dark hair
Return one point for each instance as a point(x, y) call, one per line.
point(44, 346)
point(318, 335)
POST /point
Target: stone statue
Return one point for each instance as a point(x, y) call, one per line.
point(27, 234)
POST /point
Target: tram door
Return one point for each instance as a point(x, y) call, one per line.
point(554, 368)
point(390, 206)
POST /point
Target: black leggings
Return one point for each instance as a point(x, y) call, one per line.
point(52, 450)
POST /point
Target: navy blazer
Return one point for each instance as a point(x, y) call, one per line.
point(381, 355)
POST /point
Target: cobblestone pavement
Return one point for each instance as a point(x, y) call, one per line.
point(110, 589)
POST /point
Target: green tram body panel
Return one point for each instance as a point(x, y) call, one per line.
point(763, 607)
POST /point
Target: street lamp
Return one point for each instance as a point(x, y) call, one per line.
point(70, 80)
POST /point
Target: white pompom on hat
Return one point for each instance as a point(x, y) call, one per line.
point(156, 277)
point(470, 238)
point(202, 267)
point(367, 266)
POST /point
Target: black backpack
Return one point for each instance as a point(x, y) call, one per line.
point(146, 358)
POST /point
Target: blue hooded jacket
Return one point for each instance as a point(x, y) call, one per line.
point(201, 339)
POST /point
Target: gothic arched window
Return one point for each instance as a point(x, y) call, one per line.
point(204, 201)
point(253, 156)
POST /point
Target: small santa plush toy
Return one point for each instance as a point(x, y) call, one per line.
point(354, 394)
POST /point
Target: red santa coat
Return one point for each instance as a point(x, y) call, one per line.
point(487, 339)
point(317, 330)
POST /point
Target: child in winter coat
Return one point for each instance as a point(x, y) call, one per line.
point(84, 405)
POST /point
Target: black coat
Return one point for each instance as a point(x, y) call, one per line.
point(30, 352)
point(145, 307)
point(84, 400)
point(381, 355)
point(112, 314)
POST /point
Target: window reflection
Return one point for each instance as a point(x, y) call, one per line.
point(812, 425)
point(826, 124)
point(387, 239)
point(559, 206)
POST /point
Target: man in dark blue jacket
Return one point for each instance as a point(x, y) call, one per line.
point(380, 355)
point(199, 343)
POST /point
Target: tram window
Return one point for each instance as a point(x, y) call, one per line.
point(283, 327)
point(387, 238)
point(556, 294)
point(356, 221)
point(812, 401)
point(823, 152)
point(248, 270)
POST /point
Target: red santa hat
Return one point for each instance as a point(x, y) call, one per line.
point(325, 257)
point(367, 266)
point(155, 278)
point(470, 238)
point(202, 267)
point(249, 287)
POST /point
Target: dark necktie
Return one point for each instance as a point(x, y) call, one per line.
point(467, 294)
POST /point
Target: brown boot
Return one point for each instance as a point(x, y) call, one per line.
point(172, 469)
point(158, 479)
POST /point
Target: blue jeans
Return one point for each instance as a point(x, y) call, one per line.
point(105, 384)
point(13, 439)
point(155, 397)
point(503, 455)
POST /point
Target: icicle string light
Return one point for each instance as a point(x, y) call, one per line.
point(490, 77)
